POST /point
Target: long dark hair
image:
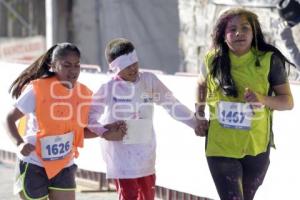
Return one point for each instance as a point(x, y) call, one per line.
point(221, 62)
point(41, 67)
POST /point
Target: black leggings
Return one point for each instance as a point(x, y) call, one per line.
point(238, 179)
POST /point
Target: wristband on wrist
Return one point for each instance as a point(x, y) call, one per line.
point(201, 113)
point(199, 107)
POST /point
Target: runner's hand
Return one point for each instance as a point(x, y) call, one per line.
point(114, 135)
point(116, 131)
point(26, 148)
point(202, 127)
point(254, 98)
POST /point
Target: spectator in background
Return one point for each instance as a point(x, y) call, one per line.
point(288, 11)
point(288, 39)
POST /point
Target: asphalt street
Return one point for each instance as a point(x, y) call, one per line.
point(85, 190)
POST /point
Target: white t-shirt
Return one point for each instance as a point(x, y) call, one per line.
point(26, 104)
point(133, 101)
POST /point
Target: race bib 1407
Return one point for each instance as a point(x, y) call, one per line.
point(235, 115)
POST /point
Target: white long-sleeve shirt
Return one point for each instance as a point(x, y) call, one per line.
point(122, 100)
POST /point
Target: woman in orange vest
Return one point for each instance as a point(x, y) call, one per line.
point(56, 107)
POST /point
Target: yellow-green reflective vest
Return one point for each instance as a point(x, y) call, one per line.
point(232, 142)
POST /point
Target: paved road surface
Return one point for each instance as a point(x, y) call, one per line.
point(6, 187)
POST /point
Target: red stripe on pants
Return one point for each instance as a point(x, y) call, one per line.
point(142, 188)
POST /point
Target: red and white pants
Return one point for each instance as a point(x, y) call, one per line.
point(142, 188)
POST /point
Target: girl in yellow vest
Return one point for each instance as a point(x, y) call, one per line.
point(242, 81)
point(56, 107)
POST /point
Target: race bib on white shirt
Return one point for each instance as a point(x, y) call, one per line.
point(56, 147)
point(235, 115)
point(139, 131)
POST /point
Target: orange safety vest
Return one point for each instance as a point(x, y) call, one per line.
point(60, 110)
